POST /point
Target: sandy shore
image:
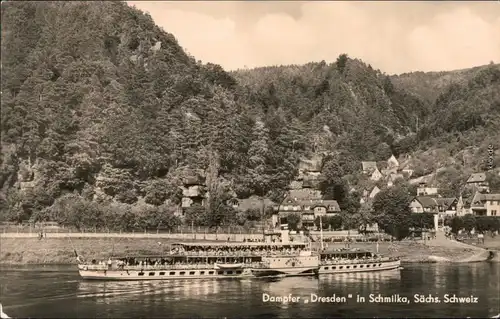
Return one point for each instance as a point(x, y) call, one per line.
point(23, 251)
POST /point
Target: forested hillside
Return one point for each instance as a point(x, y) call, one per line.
point(104, 116)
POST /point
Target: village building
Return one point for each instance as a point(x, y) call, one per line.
point(447, 207)
point(464, 206)
point(426, 204)
point(392, 162)
point(478, 182)
point(369, 167)
point(376, 175)
point(426, 186)
point(485, 204)
point(423, 190)
point(306, 203)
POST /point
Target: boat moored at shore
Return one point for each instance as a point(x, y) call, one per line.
point(354, 260)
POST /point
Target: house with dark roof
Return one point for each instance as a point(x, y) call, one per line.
point(477, 178)
point(308, 209)
point(485, 204)
point(478, 182)
point(424, 204)
point(447, 206)
point(326, 208)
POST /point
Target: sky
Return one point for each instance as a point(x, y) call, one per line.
point(395, 37)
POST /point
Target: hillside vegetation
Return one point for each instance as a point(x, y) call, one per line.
point(104, 116)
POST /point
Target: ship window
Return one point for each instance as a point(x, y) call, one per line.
point(374, 265)
point(238, 272)
point(367, 266)
point(341, 267)
point(220, 273)
point(379, 265)
point(141, 274)
point(354, 266)
point(162, 273)
point(361, 266)
point(202, 272)
point(151, 273)
point(334, 267)
point(326, 268)
point(172, 273)
point(191, 272)
point(182, 273)
point(211, 272)
point(347, 267)
point(229, 272)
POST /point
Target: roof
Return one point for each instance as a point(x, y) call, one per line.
point(393, 159)
point(484, 197)
point(477, 178)
point(426, 201)
point(328, 203)
point(446, 202)
point(467, 201)
point(491, 196)
point(478, 200)
point(367, 166)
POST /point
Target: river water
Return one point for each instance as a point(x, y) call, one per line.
point(58, 292)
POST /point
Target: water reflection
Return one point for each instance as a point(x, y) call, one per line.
point(57, 294)
point(119, 291)
point(363, 277)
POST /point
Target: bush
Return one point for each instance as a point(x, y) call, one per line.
point(293, 221)
point(469, 222)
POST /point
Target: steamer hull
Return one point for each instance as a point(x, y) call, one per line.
point(366, 266)
point(163, 274)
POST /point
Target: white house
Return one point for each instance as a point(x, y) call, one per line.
point(376, 175)
point(392, 162)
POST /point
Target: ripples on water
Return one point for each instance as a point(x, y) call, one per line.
point(59, 293)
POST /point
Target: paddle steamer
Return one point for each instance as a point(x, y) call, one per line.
point(349, 261)
point(209, 260)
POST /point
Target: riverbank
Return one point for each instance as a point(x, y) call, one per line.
point(20, 251)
